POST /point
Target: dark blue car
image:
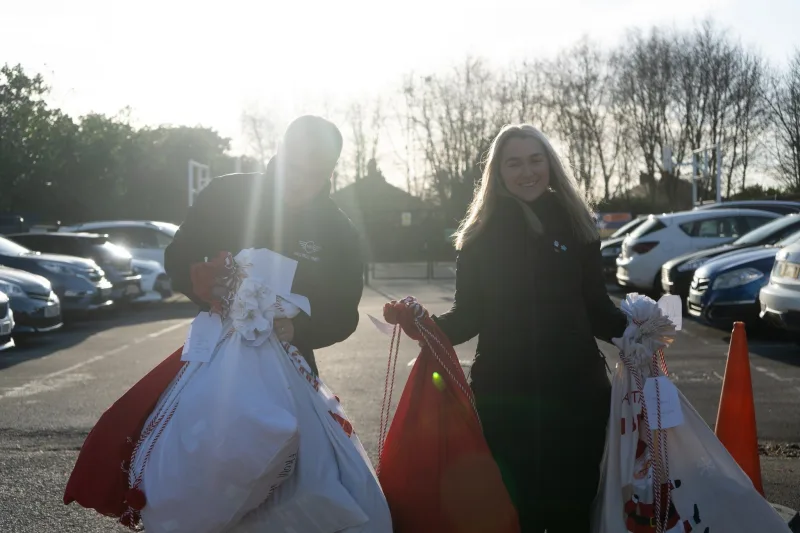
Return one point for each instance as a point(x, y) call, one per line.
point(726, 288)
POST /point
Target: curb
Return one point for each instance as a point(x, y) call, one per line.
point(791, 516)
point(380, 291)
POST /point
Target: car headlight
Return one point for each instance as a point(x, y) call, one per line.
point(694, 264)
point(70, 270)
point(11, 289)
point(611, 251)
point(61, 268)
point(737, 278)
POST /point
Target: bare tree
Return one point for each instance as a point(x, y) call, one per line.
point(453, 116)
point(366, 122)
point(717, 102)
point(749, 119)
point(783, 100)
point(262, 132)
point(522, 93)
point(645, 73)
point(586, 114)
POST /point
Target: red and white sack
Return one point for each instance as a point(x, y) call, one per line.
point(227, 434)
point(679, 479)
point(334, 487)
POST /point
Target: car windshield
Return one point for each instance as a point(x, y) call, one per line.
point(627, 228)
point(115, 251)
point(762, 234)
point(8, 247)
point(650, 225)
point(169, 229)
point(791, 239)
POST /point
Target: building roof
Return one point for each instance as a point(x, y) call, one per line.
point(373, 194)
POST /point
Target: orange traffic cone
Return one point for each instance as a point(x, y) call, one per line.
point(736, 417)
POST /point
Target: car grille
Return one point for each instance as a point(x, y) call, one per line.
point(122, 266)
point(39, 295)
point(3, 309)
point(700, 285)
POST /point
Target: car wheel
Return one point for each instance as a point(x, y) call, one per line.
point(164, 286)
point(657, 289)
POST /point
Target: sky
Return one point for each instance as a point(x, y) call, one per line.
point(203, 63)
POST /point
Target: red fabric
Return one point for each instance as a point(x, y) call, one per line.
point(436, 469)
point(98, 480)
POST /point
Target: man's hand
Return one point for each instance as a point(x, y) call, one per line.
point(284, 329)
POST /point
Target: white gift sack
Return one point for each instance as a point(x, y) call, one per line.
point(225, 434)
point(231, 442)
point(334, 488)
point(682, 474)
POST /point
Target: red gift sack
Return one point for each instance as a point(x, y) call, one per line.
point(435, 467)
point(99, 479)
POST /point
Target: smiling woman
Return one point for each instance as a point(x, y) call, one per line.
point(529, 284)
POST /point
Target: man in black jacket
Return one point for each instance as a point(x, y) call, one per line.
point(287, 209)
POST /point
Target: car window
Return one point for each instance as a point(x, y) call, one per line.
point(649, 226)
point(770, 231)
point(131, 237)
point(753, 222)
point(162, 239)
point(791, 238)
point(775, 208)
point(627, 228)
point(712, 228)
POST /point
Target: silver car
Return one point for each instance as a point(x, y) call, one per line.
point(780, 298)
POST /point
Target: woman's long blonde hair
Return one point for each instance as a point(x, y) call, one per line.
point(485, 199)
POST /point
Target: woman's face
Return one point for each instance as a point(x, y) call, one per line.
point(524, 168)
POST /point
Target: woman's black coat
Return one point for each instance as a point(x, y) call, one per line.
point(536, 302)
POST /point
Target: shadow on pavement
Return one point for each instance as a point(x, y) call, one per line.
point(76, 330)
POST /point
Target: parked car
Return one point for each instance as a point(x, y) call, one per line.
point(36, 307)
point(664, 237)
point(115, 261)
point(80, 284)
point(782, 207)
point(144, 239)
point(156, 285)
point(726, 289)
point(6, 323)
point(780, 298)
point(611, 247)
point(677, 274)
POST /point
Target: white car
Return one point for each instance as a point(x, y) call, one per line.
point(156, 285)
point(144, 239)
point(664, 237)
point(780, 298)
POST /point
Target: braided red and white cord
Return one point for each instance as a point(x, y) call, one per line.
point(660, 456)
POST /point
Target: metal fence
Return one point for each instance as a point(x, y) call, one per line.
point(432, 270)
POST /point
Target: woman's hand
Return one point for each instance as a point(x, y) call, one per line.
point(284, 329)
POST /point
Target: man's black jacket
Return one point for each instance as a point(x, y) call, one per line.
point(234, 212)
point(536, 303)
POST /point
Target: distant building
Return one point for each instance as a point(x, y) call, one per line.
point(395, 226)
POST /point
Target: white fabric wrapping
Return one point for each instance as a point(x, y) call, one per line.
point(334, 488)
point(708, 493)
point(229, 433)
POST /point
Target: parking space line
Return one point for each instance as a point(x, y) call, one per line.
point(771, 374)
point(60, 378)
